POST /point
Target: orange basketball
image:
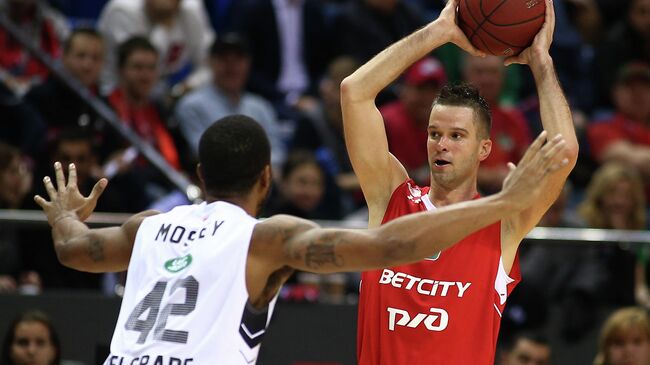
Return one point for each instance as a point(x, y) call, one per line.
point(501, 27)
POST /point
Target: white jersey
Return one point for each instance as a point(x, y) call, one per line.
point(185, 300)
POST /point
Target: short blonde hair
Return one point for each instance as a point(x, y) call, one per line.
point(617, 325)
point(601, 183)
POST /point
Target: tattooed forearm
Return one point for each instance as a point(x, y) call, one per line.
point(322, 252)
point(96, 248)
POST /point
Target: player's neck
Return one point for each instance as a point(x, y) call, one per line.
point(441, 196)
point(244, 202)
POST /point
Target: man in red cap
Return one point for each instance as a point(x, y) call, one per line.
point(407, 118)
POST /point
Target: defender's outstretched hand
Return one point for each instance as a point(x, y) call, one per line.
point(65, 199)
point(523, 183)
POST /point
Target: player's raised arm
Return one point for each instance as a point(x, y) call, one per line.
point(555, 114)
point(76, 245)
point(285, 241)
point(378, 171)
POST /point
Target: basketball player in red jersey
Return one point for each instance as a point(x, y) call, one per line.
point(445, 309)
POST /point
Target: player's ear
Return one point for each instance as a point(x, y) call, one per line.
point(484, 149)
point(266, 177)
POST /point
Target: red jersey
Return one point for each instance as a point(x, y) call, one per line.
point(445, 309)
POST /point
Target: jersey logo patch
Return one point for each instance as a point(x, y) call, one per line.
point(415, 194)
point(179, 263)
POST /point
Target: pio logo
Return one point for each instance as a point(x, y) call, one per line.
point(436, 321)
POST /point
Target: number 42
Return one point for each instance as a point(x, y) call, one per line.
point(152, 301)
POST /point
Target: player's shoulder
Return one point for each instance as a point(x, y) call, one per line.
point(284, 224)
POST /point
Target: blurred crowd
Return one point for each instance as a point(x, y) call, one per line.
point(169, 68)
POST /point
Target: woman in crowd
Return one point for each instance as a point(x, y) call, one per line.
point(625, 338)
point(31, 339)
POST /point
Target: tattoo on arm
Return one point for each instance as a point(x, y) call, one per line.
point(321, 253)
point(96, 248)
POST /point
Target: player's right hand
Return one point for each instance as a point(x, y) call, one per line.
point(66, 198)
point(538, 52)
point(523, 185)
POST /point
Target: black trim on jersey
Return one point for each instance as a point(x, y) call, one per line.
point(253, 325)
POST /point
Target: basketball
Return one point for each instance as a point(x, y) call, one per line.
point(501, 27)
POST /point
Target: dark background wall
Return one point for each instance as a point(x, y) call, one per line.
point(299, 334)
point(309, 333)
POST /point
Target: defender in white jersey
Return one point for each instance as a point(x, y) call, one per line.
point(203, 279)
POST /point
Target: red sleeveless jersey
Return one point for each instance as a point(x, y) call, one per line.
point(445, 309)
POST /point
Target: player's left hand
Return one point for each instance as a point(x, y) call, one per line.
point(448, 21)
point(66, 199)
point(538, 51)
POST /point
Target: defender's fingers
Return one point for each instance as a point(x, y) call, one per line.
point(511, 166)
point(556, 166)
point(41, 202)
point(534, 147)
point(51, 191)
point(554, 147)
point(72, 175)
point(554, 154)
point(98, 189)
point(550, 145)
point(60, 178)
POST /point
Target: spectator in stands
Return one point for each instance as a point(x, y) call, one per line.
point(625, 338)
point(627, 41)
point(179, 29)
point(626, 136)
point(60, 107)
point(510, 134)
point(525, 348)
point(407, 118)
point(366, 27)
point(230, 63)
point(615, 200)
point(31, 340)
point(321, 132)
point(137, 61)
point(301, 193)
point(44, 27)
point(15, 183)
point(290, 48)
point(301, 188)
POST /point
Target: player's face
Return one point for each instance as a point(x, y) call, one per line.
point(454, 146)
point(527, 352)
point(32, 345)
point(631, 349)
